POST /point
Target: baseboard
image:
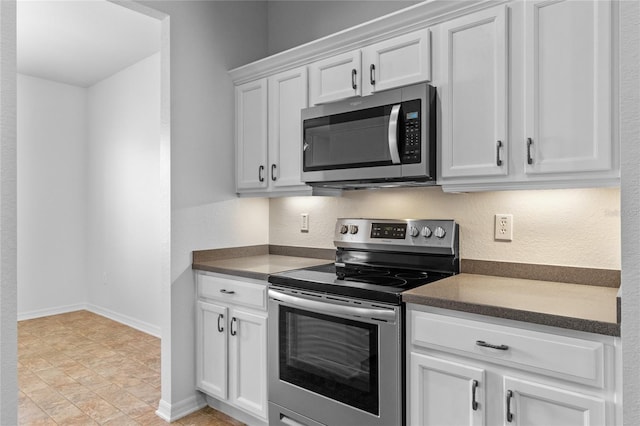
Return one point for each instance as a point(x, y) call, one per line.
point(236, 413)
point(51, 311)
point(126, 320)
point(172, 412)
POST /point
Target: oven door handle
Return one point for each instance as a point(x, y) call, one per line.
point(376, 314)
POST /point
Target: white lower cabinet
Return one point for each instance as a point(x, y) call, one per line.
point(468, 371)
point(445, 392)
point(537, 404)
point(231, 339)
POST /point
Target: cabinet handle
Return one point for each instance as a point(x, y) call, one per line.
point(260, 169)
point(372, 74)
point(489, 345)
point(233, 332)
point(498, 149)
point(225, 291)
point(509, 414)
point(273, 175)
point(474, 388)
point(220, 328)
point(529, 158)
point(354, 86)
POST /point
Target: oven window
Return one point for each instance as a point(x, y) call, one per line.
point(331, 356)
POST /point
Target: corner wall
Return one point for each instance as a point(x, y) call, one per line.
point(123, 196)
point(207, 38)
point(51, 202)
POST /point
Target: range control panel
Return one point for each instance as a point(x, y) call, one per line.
point(412, 235)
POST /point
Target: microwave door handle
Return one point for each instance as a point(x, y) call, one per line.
point(393, 134)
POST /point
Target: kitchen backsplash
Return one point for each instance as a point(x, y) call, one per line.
point(577, 227)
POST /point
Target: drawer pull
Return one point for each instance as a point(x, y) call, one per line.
point(489, 345)
point(220, 328)
point(225, 291)
point(474, 388)
point(509, 413)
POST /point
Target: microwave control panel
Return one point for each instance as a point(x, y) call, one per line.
point(411, 116)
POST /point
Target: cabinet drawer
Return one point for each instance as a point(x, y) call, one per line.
point(572, 359)
point(232, 291)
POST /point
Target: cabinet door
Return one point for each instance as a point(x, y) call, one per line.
point(396, 62)
point(443, 393)
point(474, 95)
point(248, 361)
point(287, 96)
point(335, 78)
point(211, 349)
point(251, 135)
point(535, 404)
point(568, 86)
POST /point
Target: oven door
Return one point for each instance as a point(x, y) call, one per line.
point(334, 360)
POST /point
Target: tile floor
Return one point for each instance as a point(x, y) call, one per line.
point(83, 369)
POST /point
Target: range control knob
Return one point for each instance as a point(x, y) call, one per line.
point(426, 232)
point(344, 229)
point(440, 232)
point(353, 229)
point(414, 232)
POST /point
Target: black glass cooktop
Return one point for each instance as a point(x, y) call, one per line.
point(366, 282)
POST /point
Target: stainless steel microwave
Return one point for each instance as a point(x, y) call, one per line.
point(387, 139)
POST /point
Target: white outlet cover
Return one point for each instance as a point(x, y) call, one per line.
point(503, 227)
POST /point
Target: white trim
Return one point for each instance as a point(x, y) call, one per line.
point(143, 326)
point(47, 312)
point(172, 412)
point(412, 18)
point(236, 413)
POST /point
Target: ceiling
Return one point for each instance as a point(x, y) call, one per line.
point(81, 42)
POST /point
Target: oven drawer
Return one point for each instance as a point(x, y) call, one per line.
point(232, 291)
point(572, 359)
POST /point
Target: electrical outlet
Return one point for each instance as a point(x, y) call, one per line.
point(304, 222)
point(504, 227)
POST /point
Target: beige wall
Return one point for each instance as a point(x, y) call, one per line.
point(579, 227)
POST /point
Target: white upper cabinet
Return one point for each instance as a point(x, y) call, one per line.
point(568, 86)
point(268, 134)
point(287, 97)
point(335, 78)
point(553, 127)
point(473, 91)
point(251, 135)
point(396, 62)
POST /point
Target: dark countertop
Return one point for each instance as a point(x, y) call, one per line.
point(258, 267)
point(589, 308)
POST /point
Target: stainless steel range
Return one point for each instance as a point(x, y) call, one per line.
point(336, 332)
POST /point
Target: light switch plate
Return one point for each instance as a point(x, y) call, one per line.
point(304, 222)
